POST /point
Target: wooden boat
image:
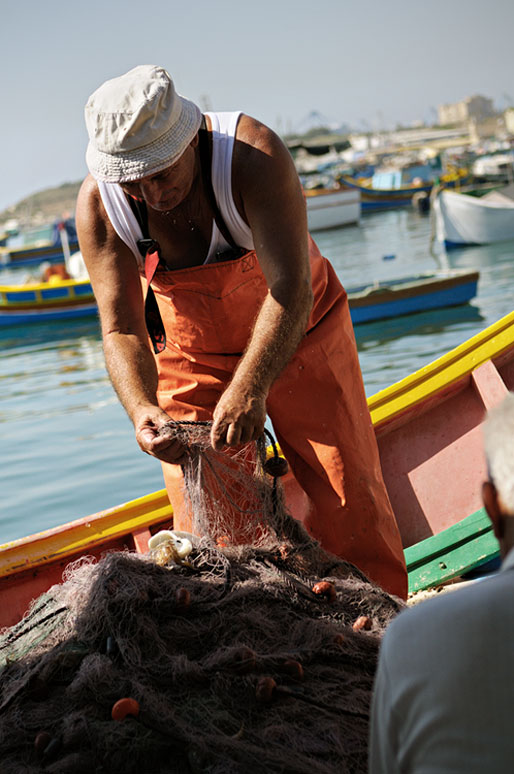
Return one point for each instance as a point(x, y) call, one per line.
point(393, 298)
point(29, 255)
point(48, 244)
point(376, 199)
point(332, 208)
point(428, 431)
point(45, 301)
point(463, 219)
point(376, 196)
point(66, 299)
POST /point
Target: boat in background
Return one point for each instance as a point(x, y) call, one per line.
point(429, 437)
point(50, 243)
point(62, 298)
point(332, 207)
point(384, 299)
point(391, 189)
point(56, 299)
point(466, 219)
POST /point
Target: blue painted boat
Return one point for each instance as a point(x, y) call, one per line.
point(45, 301)
point(44, 244)
point(66, 299)
point(393, 298)
point(389, 191)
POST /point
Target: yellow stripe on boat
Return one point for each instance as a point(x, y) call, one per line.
point(84, 534)
point(449, 369)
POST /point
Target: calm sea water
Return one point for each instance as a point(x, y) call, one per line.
point(67, 449)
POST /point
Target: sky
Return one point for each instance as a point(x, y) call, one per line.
point(370, 64)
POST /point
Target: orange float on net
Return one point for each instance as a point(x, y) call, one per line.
point(124, 707)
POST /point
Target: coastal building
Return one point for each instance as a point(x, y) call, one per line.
point(508, 117)
point(476, 107)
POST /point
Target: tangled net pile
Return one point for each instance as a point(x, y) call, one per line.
point(247, 658)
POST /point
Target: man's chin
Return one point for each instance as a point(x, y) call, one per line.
point(163, 206)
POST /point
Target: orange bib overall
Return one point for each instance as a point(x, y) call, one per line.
point(317, 404)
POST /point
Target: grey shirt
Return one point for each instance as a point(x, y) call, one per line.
point(444, 690)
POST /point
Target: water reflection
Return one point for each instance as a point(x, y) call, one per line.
point(53, 333)
point(482, 256)
point(420, 324)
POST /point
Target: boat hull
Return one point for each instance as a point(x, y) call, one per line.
point(387, 299)
point(377, 199)
point(35, 254)
point(463, 220)
point(43, 302)
point(332, 208)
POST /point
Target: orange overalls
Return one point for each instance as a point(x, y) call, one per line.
point(317, 404)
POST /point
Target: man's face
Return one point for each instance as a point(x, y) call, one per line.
point(165, 190)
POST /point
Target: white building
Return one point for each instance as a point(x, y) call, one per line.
point(476, 107)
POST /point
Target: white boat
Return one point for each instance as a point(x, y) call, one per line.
point(464, 219)
point(332, 207)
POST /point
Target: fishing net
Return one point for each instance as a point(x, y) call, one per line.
point(257, 657)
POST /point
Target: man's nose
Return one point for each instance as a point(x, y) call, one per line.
point(150, 191)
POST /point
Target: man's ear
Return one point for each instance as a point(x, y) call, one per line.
point(490, 498)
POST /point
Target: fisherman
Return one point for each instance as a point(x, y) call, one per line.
point(444, 687)
point(193, 229)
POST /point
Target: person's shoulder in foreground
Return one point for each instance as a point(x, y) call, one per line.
point(445, 681)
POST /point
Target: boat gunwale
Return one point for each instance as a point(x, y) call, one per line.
point(445, 372)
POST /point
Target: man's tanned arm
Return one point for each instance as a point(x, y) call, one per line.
point(117, 286)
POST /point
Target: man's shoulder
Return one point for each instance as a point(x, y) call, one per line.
point(88, 192)
point(253, 134)
point(259, 155)
point(90, 211)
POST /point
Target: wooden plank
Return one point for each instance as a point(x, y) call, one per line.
point(455, 563)
point(488, 384)
point(451, 553)
point(458, 534)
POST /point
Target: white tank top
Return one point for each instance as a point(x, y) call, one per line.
point(124, 221)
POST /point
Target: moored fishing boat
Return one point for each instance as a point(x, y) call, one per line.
point(428, 431)
point(68, 298)
point(463, 219)
point(50, 244)
point(59, 299)
point(389, 191)
point(393, 298)
point(376, 199)
point(332, 208)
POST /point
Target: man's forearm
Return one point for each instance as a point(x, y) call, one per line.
point(277, 332)
point(132, 370)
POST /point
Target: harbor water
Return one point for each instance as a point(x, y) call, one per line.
point(67, 447)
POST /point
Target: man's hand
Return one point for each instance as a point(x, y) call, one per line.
point(156, 437)
point(238, 418)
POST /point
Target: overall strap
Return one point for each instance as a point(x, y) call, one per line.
point(149, 250)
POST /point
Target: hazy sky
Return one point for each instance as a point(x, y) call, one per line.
point(374, 62)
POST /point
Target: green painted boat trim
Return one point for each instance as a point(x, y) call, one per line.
point(451, 553)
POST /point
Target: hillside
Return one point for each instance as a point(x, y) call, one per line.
point(44, 206)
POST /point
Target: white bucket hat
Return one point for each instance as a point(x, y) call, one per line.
point(138, 125)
